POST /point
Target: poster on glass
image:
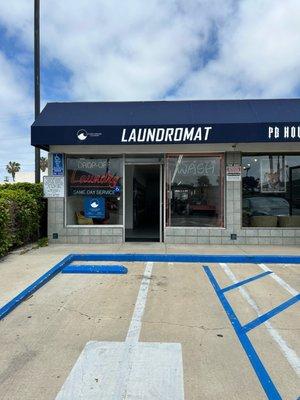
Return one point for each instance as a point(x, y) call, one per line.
point(272, 174)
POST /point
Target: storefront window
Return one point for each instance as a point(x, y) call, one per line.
point(195, 190)
point(271, 190)
point(95, 191)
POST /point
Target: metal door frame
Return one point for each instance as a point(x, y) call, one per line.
point(161, 203)
point(161, 195)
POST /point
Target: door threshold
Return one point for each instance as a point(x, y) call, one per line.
point(155, 240)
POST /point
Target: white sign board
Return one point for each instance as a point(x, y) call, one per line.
point(54, 186)
point(233, 173)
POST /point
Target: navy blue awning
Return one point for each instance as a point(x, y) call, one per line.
point(161, 122)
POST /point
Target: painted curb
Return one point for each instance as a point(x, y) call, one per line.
point(94, 269)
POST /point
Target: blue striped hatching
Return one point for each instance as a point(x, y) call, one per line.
point(261, 372)
point(265, 317)
point(245, 281)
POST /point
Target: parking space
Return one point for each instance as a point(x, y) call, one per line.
point(160, 328)
point(187, 312)
point(19, 271)
point(275, 342)
point(42, 338)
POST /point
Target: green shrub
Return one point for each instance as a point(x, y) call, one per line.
point(35, 189)
point(6, 238)
point(42, 242)
point(24, 215)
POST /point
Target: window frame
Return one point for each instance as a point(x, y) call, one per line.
point(260, 154)
point(222, 157)
point(121, 156)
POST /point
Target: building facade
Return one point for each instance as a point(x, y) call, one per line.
point(193, 172)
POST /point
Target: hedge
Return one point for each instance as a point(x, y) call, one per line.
point(21, 210)
point(35, 189)
point(6, 239)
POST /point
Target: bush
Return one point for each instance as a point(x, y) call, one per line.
point(35, 189)
point(24, 215)
point(22, 208)
point(42, 242)
point(6, 239)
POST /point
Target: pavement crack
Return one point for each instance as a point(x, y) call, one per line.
point(77, 312)
point(102, 317)
point(202, 327)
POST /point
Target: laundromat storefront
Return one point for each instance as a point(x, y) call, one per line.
point(195, 172)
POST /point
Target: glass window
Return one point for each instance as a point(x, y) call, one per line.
point(271, 190)
point(195, 190)
point(95, 191)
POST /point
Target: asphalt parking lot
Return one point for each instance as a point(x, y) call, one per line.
point(160, 331)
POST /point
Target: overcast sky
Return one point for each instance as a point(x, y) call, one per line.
point(99, 50)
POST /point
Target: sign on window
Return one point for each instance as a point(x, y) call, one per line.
point(94, 177)
point(54, 186)
point(94, 207)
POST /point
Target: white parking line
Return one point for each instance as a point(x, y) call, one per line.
point(133, 334)
point(128, 370)
point(279, 280)
point(134, 329)
point(288, 353)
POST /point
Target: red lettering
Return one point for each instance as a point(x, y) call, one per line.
point(104, 181)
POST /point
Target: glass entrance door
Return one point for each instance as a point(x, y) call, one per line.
point(143, 202)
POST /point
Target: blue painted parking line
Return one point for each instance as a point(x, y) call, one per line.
point(42, 280)
point(189, 258)
point(259, 369)
point(94, 269)
point(245, 281)
point(132, 257)
point(263, 318)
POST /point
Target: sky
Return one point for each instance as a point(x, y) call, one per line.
point(101, 50)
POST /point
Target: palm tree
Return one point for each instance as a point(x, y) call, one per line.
point(13, 167)
point(43, 164)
